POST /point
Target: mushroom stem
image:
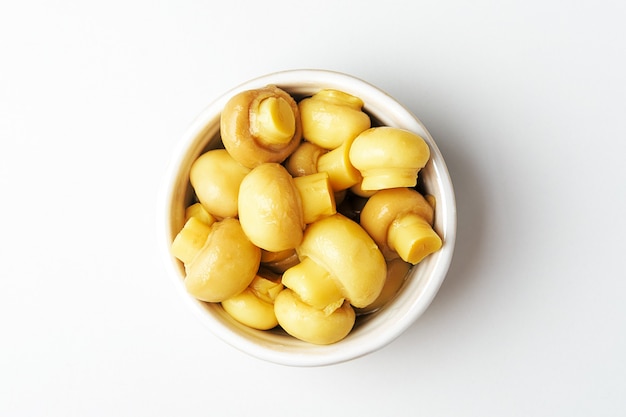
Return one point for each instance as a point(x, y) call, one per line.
point(348, 254)
point(273, 122)
point(314, 285)
point(225, 265)
point(412, 238)
point(318, 199)
point(190, 240)
point(383, 178)
point(337, 163)
point(254, 125)
point(198, 211)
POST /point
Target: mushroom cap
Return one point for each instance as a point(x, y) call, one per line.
point(385, 206)
point(388, 157)
point(303, 161)
point(270, 208)
point(225, 265)
point(349, 254)
point(311, 324)
point(386, 146)
point(254, 306)
point(215, 177)
point(237, 133)
point(330, 117)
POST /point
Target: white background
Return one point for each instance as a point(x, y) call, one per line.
point(526, 100)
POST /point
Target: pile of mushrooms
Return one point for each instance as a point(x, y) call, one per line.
point(308, 216)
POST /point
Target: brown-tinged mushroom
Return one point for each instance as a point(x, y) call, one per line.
point(261, 125)
point(400, 222)
point(303, 161)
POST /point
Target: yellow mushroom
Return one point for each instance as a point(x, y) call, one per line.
point(400, 222)
point(190, 240)
point(303, 161)
point(340, 248)
point(254, 306)
point(330, 117)
point(270, 208)
point(215, 177)
point(261, 125)
point(388, 157)
point(309, 324)
point(225, 265)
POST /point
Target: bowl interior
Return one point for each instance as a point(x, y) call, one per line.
point(371, 331)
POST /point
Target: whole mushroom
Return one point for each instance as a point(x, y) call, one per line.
point(336, 250)
point(400, 222)
point(254, 306)
point(340, 268)
point(388, 157)
point(330, 117)
point(303, 161)
point(309, 324)
point(270, 208)
point(261, 125)
point(226, 264)
point(215, 177)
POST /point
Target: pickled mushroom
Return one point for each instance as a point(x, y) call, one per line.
point(400, 222)
point(225, 265)
point(261, 125)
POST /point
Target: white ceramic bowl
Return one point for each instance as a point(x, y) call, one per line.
point(371, 332)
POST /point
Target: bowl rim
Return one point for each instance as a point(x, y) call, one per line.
point(302, 81)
